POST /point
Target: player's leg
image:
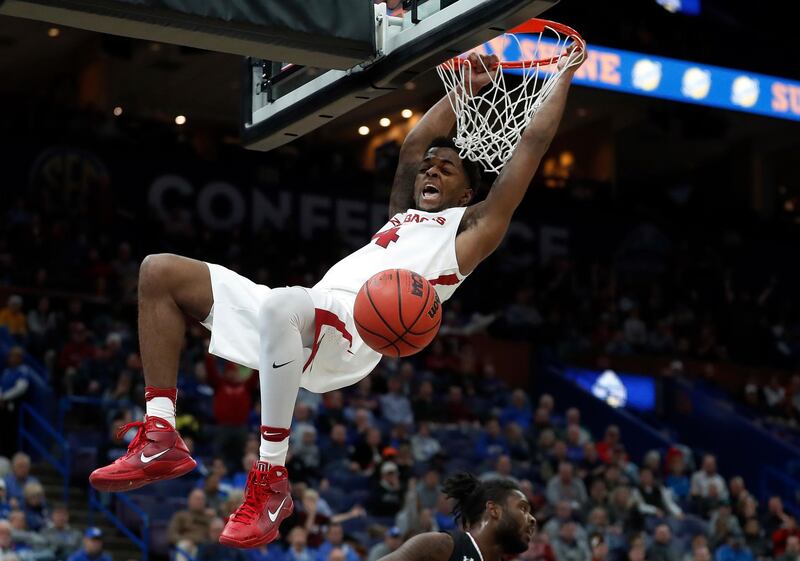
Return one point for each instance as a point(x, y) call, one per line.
point(170, 288)
point(286, 324)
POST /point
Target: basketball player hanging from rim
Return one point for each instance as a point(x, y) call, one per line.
point(305, 337)
point(495, 517)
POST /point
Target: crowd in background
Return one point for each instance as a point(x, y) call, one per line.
point(68, 274)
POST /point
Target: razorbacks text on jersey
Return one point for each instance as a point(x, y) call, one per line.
point(423, 242)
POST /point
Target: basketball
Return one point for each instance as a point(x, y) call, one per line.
point(397, 312)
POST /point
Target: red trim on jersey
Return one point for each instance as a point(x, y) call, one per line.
point(448, 280)
point(326, 317)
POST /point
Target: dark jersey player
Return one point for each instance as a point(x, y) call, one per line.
point(495, 520)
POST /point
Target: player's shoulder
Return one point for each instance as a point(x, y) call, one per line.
point(430, 546)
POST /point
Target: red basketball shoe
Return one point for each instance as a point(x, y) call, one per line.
point(158, 452)
point(267, 502)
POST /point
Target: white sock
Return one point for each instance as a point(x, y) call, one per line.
point(161, 407)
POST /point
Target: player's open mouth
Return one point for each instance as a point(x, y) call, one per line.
point(430, 192)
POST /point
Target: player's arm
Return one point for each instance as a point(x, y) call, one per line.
point(438, 121)
point(485, 224)
point(431, 546)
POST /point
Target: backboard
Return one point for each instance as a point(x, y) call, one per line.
point(282, 101)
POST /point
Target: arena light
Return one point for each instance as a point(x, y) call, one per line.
point(180, 120)
point(53, 32)
point(385, 122)
point(363, 130)
point(407, 113)
point(117, 111)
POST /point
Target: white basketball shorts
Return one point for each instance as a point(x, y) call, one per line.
point(338, 357)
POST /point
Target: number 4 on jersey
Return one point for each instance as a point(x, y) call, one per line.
point(386, 237)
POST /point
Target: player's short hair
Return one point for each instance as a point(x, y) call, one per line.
point(472, 170)
point(471, 494)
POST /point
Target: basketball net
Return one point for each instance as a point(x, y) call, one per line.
point(490, 124)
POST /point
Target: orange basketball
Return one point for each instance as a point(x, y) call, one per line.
point(397, 312)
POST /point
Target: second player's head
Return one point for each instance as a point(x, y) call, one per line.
point(498, 504)
point(443, 179)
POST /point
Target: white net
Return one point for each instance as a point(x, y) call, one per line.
point(489, 124)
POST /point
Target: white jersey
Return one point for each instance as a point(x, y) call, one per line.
point(423, 242)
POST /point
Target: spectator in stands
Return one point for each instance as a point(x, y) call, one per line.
point(60, 536)
point(77, 350)
point(302, 420)
point(676, 480)
point(591, 467)
point(331, 411)
point(424, 406)
point(334, 539)
point(367, 453)
point(563, 514)
point(298, 549)
point(610, 441)
point(456, 408)
point(7, 546)
point(774, 396)
point(189, 528)
point(733, 550)
point(34, 506)
point(490, 443)
point(13, 318)
point(653, 499)
point(5, 506)
point(362, 397)
point(423, 445)
point(15, 381)
point(568, 547)
point(306, 450)
point(502, 470)
point(737, 490)
point(598, 496)
point(386, 497)
point(517, 411)
point(391, 541)
point(707, 476)
point(42, 326)
point(33, 544)
point(775, 515)
point(781, 535)
point(701, 553)
point(233, 388)
point(315, 519)
point(518, 447)
point(755, 541)
point(19, 477)
point(792, 551)
point(662, 549)
point(335, 450)
point(395, 406)
point(723, 524)
point(429, 488)
point(212, 550)
point(566, 487)
point(92, 549)
point(540, 549)
point(573, 419)
point(598, 547)
point(239, 479)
